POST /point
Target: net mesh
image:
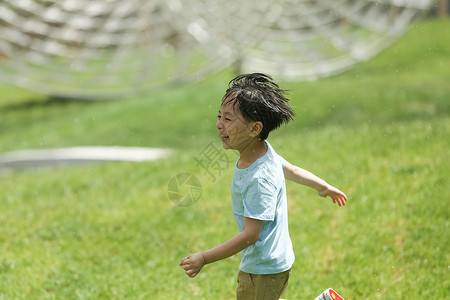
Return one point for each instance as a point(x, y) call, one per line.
point(112, 48)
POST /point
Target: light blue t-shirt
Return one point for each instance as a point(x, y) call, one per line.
point(259, 192)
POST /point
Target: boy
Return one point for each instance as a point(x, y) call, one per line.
point(252, 107)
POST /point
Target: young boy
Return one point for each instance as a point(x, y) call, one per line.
point(252, 107)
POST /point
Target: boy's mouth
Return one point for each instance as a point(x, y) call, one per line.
point(224, 138)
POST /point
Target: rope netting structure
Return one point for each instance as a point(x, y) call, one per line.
point(100, 49)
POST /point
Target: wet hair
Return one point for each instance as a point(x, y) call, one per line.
point(259, 98)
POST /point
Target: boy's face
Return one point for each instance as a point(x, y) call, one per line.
point(234, 130)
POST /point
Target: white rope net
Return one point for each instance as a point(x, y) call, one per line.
point(112, 48)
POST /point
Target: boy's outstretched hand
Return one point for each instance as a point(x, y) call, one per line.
point(192, 264)
point(335, 194)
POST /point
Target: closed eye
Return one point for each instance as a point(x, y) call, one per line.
point(226, 119)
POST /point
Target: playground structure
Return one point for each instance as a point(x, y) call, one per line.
point(98, 49)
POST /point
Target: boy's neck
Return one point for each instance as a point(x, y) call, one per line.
point(251, 153)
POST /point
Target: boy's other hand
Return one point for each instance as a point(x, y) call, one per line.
point(338, 197)
point(192, 264)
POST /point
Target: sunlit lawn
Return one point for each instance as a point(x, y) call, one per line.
point(379, 132)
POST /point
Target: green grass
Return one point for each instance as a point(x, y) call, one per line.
point(379, 132)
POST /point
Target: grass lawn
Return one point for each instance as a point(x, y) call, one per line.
point(379, 132)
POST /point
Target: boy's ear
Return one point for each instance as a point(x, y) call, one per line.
point(256, 128)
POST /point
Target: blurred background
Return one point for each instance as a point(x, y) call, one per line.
point(110, 49)
point(368, 81)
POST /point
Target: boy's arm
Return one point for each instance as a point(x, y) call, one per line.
point(307, 178)
point(193, 263)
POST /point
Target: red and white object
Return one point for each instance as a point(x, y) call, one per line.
point(329, 294)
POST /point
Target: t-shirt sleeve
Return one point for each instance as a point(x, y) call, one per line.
point(282, 160)
point(260, 200)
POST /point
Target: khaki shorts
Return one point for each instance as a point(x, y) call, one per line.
point(261, 287)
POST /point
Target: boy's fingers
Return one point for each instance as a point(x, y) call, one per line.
point(339, 199)
point(183, 261)
point(185, 258)
point(336, 201)
point(191, 273)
